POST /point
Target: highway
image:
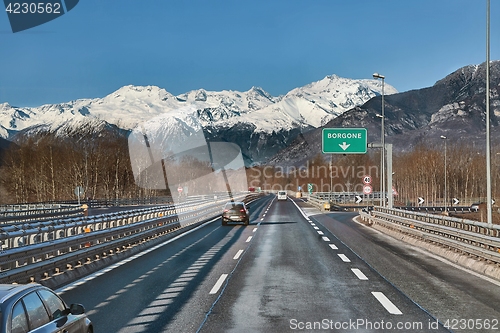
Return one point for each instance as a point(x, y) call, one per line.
point(287, 271)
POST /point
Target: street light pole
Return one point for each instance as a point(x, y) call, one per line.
point(488, 149)
point(445, 190)
point(382, 139)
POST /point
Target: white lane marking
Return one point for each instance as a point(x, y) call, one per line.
point(254, 230)
point(320, 232)
point(262, 219)
point(388, 305)
point(238, 254)
point(72, 285)
point(326, 239)
point(312, 223)
point(344, 257)
point(249, 239)
point(263, 215)
point(316, 228)
point(333, 246)
point(218, 284)
point(359, 274)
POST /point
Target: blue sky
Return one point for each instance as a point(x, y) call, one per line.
point(182, 45)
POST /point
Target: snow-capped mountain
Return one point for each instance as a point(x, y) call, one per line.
point(253, 118)
point(453, 107)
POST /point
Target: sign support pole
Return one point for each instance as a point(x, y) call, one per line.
point(388, 148)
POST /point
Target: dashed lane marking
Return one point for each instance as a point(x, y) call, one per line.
point(326, 239)
point(388, 305)
point(218, 284)
point(344, 257)
point(359, 274)
point(333, 246)
point(249, 239)
point(238, 254)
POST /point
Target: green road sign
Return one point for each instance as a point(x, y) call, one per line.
point(344, 141)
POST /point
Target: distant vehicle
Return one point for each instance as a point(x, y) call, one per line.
point(35, 308)
point(235, 212)
point(281, 195)
point(474, 207)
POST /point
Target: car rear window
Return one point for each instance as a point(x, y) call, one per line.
point(234, 206)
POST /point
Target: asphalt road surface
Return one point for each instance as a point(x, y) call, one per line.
point(289, 270)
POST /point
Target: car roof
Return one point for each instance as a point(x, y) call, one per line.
point(7, 290)
point(235, 203)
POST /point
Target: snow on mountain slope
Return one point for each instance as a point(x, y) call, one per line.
point(311, 105)
point(314, 104)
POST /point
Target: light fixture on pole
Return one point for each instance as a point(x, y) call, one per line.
point(445, 189)
point(382, 140)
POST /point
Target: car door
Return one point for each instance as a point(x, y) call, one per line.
point(62, 320)
point(38, 318)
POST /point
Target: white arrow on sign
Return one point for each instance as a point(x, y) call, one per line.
point(358, 199)
point(455, 201)
point(367, 189)
point(344, 145)
point(420, 200)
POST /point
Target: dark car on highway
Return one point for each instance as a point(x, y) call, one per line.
point(235, 212)
point(35, 308)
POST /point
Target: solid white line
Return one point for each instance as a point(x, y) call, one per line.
point(359, 274)
point(238, 254)
point(218, 284)
point(333, 246)
point(344, 257)
point(249, 239)
point(320, 232)
point(388, 305)
point(326, 239)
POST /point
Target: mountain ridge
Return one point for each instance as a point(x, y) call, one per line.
point(453, 107)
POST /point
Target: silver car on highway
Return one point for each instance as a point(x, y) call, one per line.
point(34, 308)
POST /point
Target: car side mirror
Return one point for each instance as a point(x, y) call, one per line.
point(76, 309)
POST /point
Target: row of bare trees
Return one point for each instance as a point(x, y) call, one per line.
point(48, 167)
point(418, 173)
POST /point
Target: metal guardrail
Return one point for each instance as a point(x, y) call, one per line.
point(30, 212)
point(41, 250)
point(471, 237)
point(11, 214)
point(437, 209)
